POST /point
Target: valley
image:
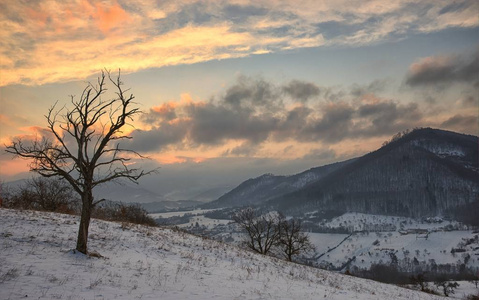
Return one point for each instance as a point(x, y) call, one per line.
point(410, 245)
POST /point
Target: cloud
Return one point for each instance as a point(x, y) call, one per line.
point(157, 138)
point(294, 120)
point(444, 69)
point(249, 92)
point(320, 155)
point(158, 114)
point(254, 113)
point(372, 88)
point(28, 137)
point(109, 17)
point(246, 149)
point(388, 117)
point(255, 121)
point(333, 126)
point(51, 41)
point(470, 101)
point(462, 123)
point(301, 91)
point(213, 124)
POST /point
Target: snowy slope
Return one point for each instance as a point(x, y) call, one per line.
point(138, 262)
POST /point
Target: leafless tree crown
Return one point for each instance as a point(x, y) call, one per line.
point(273, 233)
point(84, 147)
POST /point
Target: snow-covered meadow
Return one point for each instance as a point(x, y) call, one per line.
point(137, 262)
point(433, 243)
point(374, 239)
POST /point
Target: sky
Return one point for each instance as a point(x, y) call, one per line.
point(233, 89)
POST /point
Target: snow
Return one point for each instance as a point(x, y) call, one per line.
point(36, 261)
point(204, 221)
point(441, 150)
point(180, 213)
point(465, 289)
point(324, 241)
point(305, 179)
point(436, 247)
point(358, 221)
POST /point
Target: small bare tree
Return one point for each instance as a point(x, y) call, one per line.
point(84, 148)
point(292, 240)
point(262, 230)
point(474, 280)
point(419, 280)
point(44, 194)
point(448, 287)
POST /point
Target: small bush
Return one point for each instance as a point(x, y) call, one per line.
point(130, 213)
point(448, 287)
point(44, 194)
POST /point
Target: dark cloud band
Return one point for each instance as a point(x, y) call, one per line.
point(254, 111)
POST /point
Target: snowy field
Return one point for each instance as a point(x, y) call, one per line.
point(374, 247)
point(36, 262)
point(360, 221)
point(180, 213)
point(324, 241)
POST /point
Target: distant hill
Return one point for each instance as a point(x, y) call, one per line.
point(128, 192)
point(425, 172)
point(256, 191)
point(165, 206)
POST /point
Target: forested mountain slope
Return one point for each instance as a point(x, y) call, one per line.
point(256, 191)
point(425, 172)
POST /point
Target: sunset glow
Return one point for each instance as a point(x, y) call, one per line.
point(251, 87)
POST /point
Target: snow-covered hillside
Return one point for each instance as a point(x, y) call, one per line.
point(36, 261)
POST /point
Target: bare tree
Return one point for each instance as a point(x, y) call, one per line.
point(44, 194)
point(448, 287)
point(419, 280)
point(262, 230)
point(84, 148)
point(52, 194)
point(4, 194)
point(474, 280)
point(292, 240)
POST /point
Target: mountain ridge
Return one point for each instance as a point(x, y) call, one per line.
point(259, 190)
point(424, 172)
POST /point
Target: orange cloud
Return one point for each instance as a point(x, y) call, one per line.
point(165, 108)
point(40, 17)
point(5, 120)
point(62, 60)
point(57, 40)
point(169, 159)
point(108, 17)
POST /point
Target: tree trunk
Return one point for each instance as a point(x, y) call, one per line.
point(290, 256)
point(87, 205)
